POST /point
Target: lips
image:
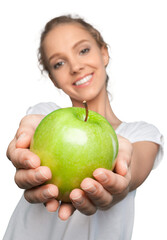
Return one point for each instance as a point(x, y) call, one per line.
point(83, 80)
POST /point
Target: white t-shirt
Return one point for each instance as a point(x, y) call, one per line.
point(34, 222)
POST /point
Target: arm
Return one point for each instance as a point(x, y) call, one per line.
point(30, 175)
point(112, 188)
point(143, 157)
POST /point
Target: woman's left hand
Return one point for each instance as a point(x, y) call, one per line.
point(109, 187)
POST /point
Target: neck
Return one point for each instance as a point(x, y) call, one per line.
point(101, 105)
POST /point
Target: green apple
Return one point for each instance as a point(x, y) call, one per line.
point(73, 146)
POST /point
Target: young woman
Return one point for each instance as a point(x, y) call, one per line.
point(75, 56)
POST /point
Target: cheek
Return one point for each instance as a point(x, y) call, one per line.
point(101, 67)
point(58, 78)
point(55, 81)
point(98, 61)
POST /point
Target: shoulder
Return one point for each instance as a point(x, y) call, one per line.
point(140, 131)
point(42, 108)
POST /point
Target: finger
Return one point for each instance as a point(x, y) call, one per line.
point(96, 193)
point(122, 163)
point(26, 130)
point(124, 156)
point(29, 178)
point(112, 182)
point(41, 194)
point(24, 139)
point(23, 158)
point(52, 205)
point(82, 203)
point(66, 210)
point(24, 134)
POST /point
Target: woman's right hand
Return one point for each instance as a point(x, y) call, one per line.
point(29, 174)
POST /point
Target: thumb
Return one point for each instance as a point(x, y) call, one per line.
point(26, 130)
point(121, 166)
point(123, 159)
point(24, 140)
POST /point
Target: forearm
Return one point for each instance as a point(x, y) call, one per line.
point(143, 157)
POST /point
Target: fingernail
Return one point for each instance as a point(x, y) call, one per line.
point(101, 176)
point(29, 163)
point(48, 193)
point(126, 166)
point(41, 174)
point(21, 136)
point(78, 199)
point(89, 189)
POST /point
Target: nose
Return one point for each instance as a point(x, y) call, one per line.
point(76, 65)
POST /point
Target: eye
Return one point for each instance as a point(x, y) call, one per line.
point(58, 65)
point(84, 51)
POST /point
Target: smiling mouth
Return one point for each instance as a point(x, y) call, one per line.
point(83, 80)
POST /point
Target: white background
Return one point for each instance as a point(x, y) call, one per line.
point(137, 34)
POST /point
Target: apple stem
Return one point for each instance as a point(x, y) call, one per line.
point(86, 108)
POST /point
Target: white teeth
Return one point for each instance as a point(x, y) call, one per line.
point(84, 80)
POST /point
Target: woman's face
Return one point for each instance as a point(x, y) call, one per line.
point(76, 63)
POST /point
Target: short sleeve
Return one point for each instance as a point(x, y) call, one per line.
point(142, 131)
point(42, 108)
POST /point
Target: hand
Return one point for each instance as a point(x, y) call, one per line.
point(29, 174)
point(22, 158)
point(109, 187)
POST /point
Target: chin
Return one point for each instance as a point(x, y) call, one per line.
point(90, 95)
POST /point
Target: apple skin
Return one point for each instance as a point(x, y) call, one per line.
point(73, 148)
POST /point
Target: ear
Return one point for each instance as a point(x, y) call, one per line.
point(53, 80)
point(105, 55)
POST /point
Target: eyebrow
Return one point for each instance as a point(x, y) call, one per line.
point(75, 45)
